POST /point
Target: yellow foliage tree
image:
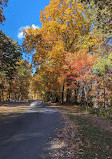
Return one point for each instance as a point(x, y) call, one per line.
point(63, 23)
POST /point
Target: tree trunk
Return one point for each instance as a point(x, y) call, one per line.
point(68, 96)
point(15, 98)
point(2, 95)
point(62, 100)
point(75, 96)
point(83, 97)
point(104, 90)
point(9, 98)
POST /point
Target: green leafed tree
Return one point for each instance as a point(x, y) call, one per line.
point(10, 54)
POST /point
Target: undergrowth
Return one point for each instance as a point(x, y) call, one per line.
point(95, 144)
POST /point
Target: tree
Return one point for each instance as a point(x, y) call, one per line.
point(21, 81)
point(47, 83)
point(74, 36)
point(62, 24)
point(78, 69)
point(10, 54)
point(98, 15)
point(102, 69)
point(3, 3)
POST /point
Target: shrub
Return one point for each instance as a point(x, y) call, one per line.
point(103, 112)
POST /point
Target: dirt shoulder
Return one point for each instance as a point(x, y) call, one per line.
point(8, 109)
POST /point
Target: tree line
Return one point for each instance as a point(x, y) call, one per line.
point(15, 72)
point(72, 52)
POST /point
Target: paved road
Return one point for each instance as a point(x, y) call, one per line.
point(28, 135)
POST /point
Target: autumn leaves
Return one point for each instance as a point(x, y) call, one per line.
point(66, 48)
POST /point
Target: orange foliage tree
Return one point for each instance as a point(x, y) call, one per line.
point(63, 23)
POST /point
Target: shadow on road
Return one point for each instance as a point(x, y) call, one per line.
point(30, 135)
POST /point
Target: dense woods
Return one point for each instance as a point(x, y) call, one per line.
point(71, 53)
point(15, 73)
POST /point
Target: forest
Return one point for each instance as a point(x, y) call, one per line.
point(71, 53)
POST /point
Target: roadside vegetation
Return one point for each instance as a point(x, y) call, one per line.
point(95, 143)
point(85, 136)
point(12, 109)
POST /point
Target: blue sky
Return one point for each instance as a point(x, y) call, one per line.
point(22, 14)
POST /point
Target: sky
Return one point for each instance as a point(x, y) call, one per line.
point(22, 14)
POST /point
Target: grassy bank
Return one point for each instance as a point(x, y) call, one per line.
point(95, 143)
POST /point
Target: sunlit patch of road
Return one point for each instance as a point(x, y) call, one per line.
point(35, 103)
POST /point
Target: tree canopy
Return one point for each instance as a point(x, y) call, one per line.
point(10, 53)
point(70, 48)
point(15, 73)
point(71, 53)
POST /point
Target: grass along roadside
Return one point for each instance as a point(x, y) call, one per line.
point(11, 109)
point(94, 143)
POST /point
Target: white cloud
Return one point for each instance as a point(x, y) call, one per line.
point(35, 27)
point(20, 33)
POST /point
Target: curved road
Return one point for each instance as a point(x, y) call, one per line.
point(29, 136)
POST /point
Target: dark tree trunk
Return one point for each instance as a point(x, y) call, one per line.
point(2, 95)
point(9, 98)
point(57, 99)
point(76, 93)
point(15, 97)
point(68, 96)
point(75, 96)
point(83, 101)
point(62, 100)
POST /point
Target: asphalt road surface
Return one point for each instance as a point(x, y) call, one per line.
point(29, 135)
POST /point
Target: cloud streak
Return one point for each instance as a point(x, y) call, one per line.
point(20, 33)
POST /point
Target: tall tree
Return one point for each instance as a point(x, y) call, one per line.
point(10, 54)
point(22, 81)
point(62, 24)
